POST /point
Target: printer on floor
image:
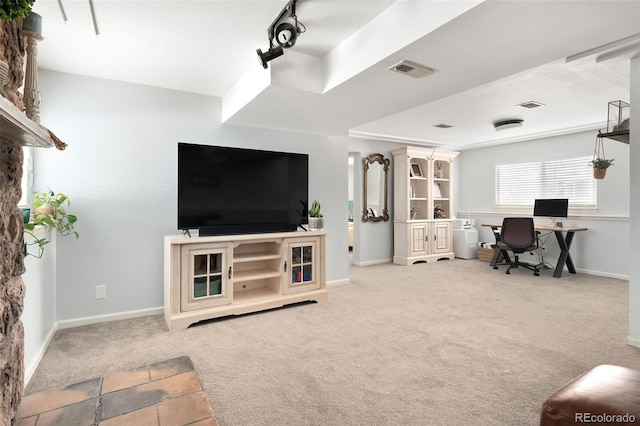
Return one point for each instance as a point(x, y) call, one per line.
point(464, 223)
point(465, 238)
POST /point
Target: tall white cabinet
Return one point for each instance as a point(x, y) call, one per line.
point(423, 202)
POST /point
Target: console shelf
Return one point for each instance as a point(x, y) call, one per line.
point(252, 257)
point(210, 277)
point(254, 294)
point(255, 274)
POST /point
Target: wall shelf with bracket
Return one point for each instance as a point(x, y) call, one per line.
point(620, 136)
point(18, 129)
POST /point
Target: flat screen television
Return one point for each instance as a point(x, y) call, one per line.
point(225, 190)
point(551, 207)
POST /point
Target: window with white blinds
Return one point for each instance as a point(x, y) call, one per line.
point(520, 184)
point(27, 177)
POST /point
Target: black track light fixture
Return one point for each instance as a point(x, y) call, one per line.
point(287, 34)
point(272, 53)
point(284, 30)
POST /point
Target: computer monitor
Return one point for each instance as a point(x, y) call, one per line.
point(551, 207)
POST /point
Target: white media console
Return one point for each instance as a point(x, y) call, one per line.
point(216, 276)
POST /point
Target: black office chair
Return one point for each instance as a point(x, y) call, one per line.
point(518, 235)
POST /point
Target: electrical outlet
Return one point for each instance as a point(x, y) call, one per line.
point(101, 292)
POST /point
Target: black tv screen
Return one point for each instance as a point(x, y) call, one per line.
point(551, 207)
point(236, 190)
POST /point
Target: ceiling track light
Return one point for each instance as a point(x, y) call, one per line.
point(609, 50)
point(284, 30)
point(93, 15)
point(286, 34)
point(272, 53)
point(93, 18)
point(64, 15)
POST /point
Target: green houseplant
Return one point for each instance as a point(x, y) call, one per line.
point(316, 220)
point(600, 166)
point(15, 9)
point(49, 210)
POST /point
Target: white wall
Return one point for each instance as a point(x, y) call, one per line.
point(120, 171)
point(604, 248)
point(39, 316)
point(634, 191)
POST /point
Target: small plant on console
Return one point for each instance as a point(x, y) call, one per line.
point(316, 220)
point(314, 211)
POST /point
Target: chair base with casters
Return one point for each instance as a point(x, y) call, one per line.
point(516, 263)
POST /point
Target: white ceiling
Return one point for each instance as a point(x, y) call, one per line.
point(489, 56)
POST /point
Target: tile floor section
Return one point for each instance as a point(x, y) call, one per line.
point(167, 393)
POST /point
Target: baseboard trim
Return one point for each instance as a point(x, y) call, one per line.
point(31, 368)
point(601, 274)
point(338, 282)
point(633, 342)
point(373, 262)
point(78, 322)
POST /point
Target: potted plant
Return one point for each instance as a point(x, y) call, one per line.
point(49, 210)
point(600, 166)
point(16, 9)
point(316, 220)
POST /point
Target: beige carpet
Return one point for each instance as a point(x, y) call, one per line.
point(448, 343)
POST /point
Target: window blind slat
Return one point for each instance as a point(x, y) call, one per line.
point(522, 183)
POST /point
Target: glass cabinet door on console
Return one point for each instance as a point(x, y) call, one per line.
point(206, 277)
point(302, 266)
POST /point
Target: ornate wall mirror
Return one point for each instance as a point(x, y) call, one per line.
point(376, 170)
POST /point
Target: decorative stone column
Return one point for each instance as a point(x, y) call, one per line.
point(12, 49)
point(12, 289)
point(32, 31)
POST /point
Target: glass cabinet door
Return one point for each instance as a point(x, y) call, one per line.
point(205, 280)
point(207, 275)
point(302, 265)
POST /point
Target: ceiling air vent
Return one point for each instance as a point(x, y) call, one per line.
point(530, 104)
point(411, 69)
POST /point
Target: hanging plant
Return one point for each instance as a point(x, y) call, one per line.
point(10, 10)
point(49, 210)
point(600, 162)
